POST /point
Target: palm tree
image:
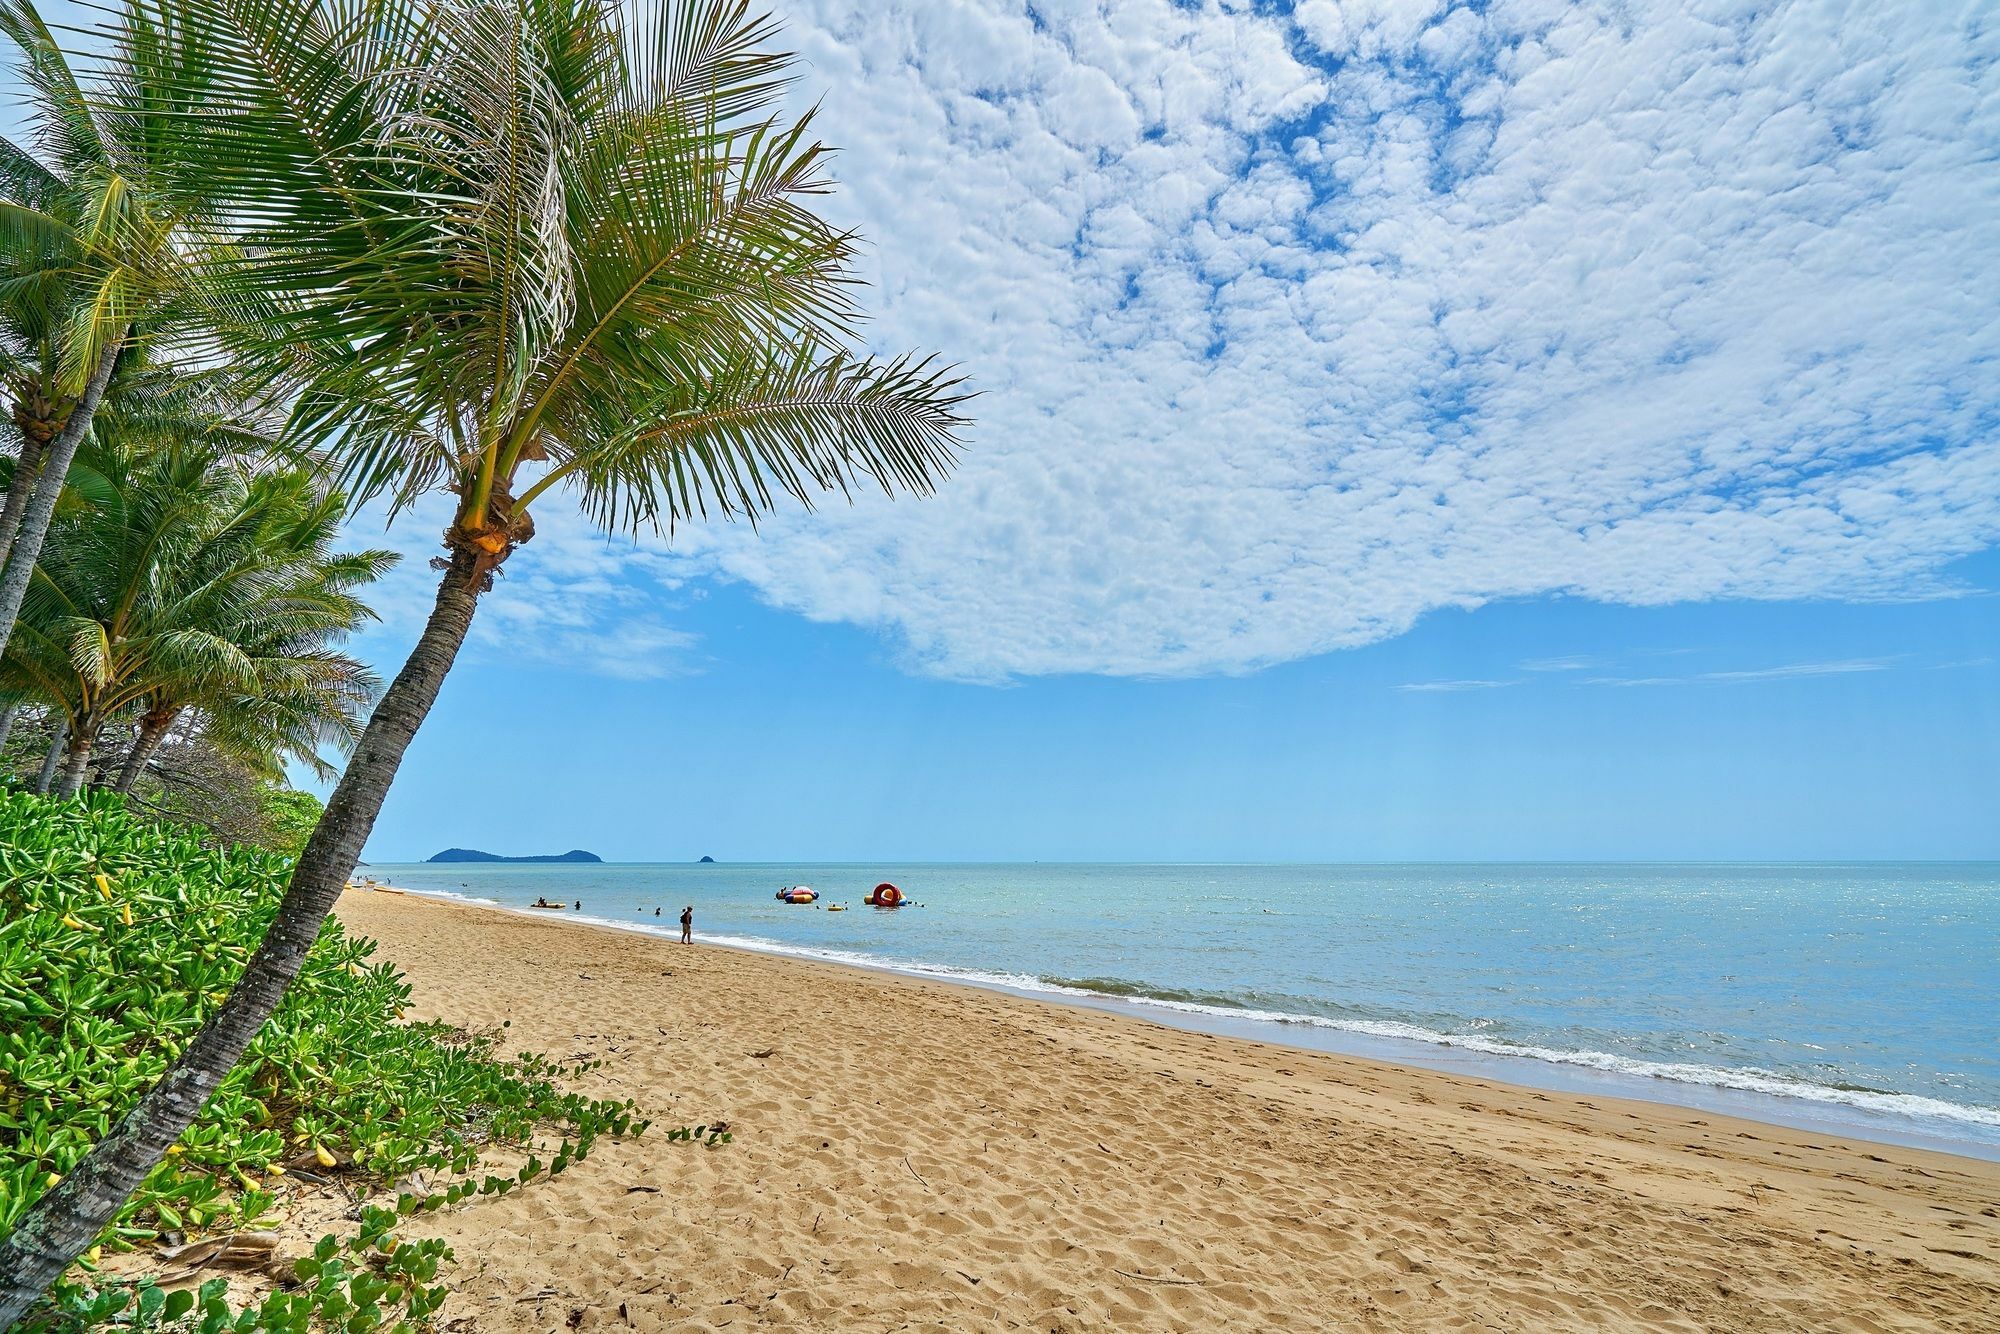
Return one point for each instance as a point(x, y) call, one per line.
point(31, 318)
point(296, 696)
point(511, 250)
point(189, 587)
point(95, 229)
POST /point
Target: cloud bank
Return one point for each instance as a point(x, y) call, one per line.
point(1292, 327)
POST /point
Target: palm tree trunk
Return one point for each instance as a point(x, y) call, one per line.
point(63, 1223)
point(76, 758)
point(27, 466)
point(153, 730)
point(41, 506)
point(7, 717)
point(57, 744)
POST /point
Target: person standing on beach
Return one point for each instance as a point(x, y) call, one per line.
point(687, 925)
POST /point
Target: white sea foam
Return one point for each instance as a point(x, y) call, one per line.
point(1939, 1114)
point(1746, 1080)
point(449, 894)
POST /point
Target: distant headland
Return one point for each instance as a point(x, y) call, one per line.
point(709, 859)
point(475, 855)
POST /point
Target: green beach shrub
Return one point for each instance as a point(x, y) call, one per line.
point(289, 816)
point(118, 939)
point(371, 1282)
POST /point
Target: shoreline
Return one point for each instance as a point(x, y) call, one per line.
point(907, 1153)
point(1549, 1073)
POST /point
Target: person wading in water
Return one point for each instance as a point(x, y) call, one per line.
point(687, 925)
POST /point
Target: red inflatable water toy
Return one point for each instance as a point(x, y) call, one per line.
point(885, 895)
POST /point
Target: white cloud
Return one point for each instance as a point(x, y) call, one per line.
point(1290, 332)
point(571, 598)
point(1450, 686)
point(1787, 672)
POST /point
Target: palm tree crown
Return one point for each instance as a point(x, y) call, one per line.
point(501, 246)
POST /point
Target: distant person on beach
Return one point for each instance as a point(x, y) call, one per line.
point(687, 925)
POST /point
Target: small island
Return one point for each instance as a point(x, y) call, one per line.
point(475, 855)
point(707, 861)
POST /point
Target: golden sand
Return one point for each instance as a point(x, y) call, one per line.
point(915, 1155)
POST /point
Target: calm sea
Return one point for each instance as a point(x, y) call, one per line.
point(1855, 997)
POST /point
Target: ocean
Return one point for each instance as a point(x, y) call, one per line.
point(1859, 998)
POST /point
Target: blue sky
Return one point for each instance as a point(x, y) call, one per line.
point(1876, 736)
point(1409, 430)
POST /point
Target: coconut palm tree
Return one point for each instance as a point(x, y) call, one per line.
point(519, 251)
point(36, 299)
point(95, 234)
point(297, 696)
point(189, 587)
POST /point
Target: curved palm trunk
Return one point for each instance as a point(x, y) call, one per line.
point(76, 757)
point(63, 1223)
point(153, 730)
point(57, 744)
point(27, 466)
point(41, 506)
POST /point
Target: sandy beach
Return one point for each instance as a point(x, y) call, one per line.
point(917, 1155)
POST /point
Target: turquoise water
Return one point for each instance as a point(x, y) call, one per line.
point(1865, 994)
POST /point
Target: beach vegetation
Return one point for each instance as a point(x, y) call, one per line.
point(519, 254)
point(119, 939)
point(225, 798)
point(288, 816)
point(366, 1282)
point(191, 586)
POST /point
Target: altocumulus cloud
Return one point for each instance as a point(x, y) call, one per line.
point(573, 599)
point(1294, 326)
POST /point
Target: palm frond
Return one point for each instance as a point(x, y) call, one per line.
point(479, 236)
point(798, 421)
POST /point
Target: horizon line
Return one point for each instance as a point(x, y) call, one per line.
point(1389, 861)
